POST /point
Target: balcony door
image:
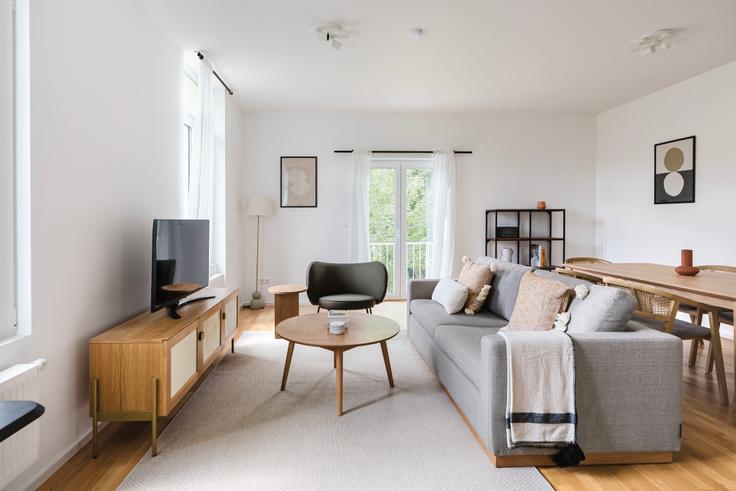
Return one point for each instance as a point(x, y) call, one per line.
point(400, 220)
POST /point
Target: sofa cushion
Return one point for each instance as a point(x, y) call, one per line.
point(431, 314)
point(505, 285)
point(347, 301)
point(451, 295)
point(477, 277)
point(461, 344)
point(604, 309)
point(538, 303)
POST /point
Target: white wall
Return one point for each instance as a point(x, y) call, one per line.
point(104, 125)
point(629, 226)
point(517, 160)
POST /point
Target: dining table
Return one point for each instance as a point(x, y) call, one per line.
point(712, 288)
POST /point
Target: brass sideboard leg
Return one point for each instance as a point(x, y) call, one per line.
point(93, 401)
point(154, 416)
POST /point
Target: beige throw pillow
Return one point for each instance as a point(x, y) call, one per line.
point(477, 277)
point(538, 303)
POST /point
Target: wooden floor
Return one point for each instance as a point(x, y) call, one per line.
point(707, 459)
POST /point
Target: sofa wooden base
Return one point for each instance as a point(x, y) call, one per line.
point(590, 459)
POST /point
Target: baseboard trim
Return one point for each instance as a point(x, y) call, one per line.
point(35, 481)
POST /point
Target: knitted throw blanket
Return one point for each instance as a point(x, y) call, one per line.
point(540, 393)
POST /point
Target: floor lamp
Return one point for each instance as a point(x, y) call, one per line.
point(258, 206)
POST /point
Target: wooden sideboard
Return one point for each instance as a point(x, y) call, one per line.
point(142, 368)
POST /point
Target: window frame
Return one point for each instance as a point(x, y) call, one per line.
point(19, 138)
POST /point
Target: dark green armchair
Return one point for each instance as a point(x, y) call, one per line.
point(346, 286)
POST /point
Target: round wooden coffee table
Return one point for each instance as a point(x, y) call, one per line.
point(363, 329)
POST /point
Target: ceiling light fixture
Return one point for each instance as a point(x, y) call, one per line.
point(416, 32)
point(652, 42)
point(331, 33)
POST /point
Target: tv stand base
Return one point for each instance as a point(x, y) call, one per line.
point(172, 308)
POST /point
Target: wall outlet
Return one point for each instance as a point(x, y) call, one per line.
point(265, 281)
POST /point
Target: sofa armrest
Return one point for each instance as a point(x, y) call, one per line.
point(628, 392)
point(421, 289)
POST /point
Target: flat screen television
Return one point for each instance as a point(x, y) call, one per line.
point(180, 262)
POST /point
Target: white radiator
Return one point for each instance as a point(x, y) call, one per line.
point(17, 453)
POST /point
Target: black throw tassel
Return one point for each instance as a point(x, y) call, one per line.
point(569, 455)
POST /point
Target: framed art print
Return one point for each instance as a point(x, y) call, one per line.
point(674, 171)
point(298, 182)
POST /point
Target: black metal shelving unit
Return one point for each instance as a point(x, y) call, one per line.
point(547, 237)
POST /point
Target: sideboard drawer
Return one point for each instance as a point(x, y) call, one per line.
point(182, 363)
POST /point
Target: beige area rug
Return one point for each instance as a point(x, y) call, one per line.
point(238, 431)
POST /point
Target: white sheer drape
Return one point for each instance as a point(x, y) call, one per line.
point(206, 169)
point(359, 231)
point(443, 215)
point(201, 171)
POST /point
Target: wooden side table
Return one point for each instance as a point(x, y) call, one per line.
point(286, 299)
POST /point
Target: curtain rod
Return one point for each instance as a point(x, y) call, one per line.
point(407, 151)
point(201, 57)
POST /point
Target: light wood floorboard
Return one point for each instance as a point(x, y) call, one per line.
point(707, 459)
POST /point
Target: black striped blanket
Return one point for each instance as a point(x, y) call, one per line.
point(540, 392)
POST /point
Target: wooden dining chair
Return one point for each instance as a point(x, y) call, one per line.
point(596, 280)
point(583, 259)
point(657, 308)
point(696, 313)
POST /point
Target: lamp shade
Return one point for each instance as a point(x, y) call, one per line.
point(260, 206)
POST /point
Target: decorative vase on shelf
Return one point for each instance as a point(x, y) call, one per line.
point(506, 254)
point(686, 264)
point(541, 205)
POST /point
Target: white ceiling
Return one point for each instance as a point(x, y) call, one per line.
point(546, 55)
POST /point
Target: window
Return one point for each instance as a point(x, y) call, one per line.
point(190, 91)
point(400, 219)
point(14, 170)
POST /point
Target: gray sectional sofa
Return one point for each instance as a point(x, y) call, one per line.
point(628, 383)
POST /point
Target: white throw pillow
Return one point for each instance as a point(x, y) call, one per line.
point(451, 295)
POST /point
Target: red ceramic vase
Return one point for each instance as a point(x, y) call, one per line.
point(686, 264)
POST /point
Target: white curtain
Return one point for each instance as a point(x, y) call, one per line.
point(443, 215)
point(202, 169)
point(207, 163)
point(359, 232)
